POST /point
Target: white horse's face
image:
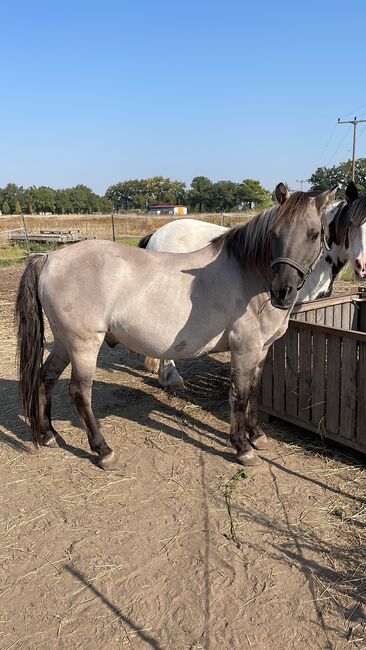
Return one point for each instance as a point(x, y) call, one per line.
point(357, 250)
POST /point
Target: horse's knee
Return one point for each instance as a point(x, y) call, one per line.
point(77, 394)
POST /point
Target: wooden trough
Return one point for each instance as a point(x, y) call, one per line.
point(49, 236)
point(315, 375)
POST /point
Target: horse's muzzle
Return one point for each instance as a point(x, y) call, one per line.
point(282, 298)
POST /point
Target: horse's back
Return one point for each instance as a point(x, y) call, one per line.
point(184, 236)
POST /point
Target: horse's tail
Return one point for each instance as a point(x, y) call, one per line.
point(151, 364)
point(29, 319)
point(144, 241)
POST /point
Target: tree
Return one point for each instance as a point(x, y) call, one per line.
point(252, 194)
point(43, 199)
point(5, 207)
point(138, 194)
point(200, 194)
point(12, 194)
point(225, 196)
point(18, 208)
point(325, 178)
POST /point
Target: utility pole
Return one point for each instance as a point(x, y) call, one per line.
point(354, 122)
point(301, 181)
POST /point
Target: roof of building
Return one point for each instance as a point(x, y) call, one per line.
point(167, 205)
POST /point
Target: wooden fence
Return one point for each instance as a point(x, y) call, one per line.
point(315, 375)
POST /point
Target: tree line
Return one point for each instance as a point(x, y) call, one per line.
point(137, 195)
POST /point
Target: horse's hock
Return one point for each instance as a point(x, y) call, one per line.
point(315, 375)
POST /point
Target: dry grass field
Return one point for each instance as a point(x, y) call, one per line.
point(180, 549)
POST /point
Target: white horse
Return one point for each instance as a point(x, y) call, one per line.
point(347, 226)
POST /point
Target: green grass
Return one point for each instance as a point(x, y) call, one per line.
point(16, 254)
point(130, 241)
point(347, 274)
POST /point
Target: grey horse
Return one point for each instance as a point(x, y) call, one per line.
point(236, 294)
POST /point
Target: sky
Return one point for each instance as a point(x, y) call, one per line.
point(101, 92)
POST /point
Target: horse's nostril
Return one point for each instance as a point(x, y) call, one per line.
point(358, 264)
point(284, 293)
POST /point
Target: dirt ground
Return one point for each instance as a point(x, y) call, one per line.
point(177, 550)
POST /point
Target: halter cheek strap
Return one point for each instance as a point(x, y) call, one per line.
point(299, 267)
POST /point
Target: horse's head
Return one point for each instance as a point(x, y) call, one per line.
point(355, 229)
point(298, 233)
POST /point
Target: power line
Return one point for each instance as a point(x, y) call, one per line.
point(355, 110)
point(327, 144)
point(339, 146)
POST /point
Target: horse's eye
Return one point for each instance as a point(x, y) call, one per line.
point(313, 236)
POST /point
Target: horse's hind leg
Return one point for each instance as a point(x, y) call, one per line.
point(169, 375)
point(52, 368)
point(83, 362)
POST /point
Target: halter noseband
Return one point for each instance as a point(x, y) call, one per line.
point(299, 267)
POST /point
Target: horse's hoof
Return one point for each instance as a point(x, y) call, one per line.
point(109, 462)
point(49, 440)
point(259, 442)
point(177, 387)
point(248, 458)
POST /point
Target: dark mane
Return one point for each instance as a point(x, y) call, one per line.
point(250, 243)
point(347, 215)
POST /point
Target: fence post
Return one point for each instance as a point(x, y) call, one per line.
point(222, 218)
point(26, 233)
point(113, 230)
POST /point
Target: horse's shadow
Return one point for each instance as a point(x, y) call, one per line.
point(128, 402)
point(207, 381)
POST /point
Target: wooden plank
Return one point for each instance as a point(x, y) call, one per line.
point(348, 389)
point(300, 317)
point(347, 334)
point(305, 375)
point(353, 316)
point(279, 359)
point(267, 380)
point(346, 309)
point(320, 316)
point(337, 320)
point(292, 375)
point(308, 426)
point(329, 315)
point(318, 403)
point(310, 316)
point(354, 294)
point(333, 384)
point(361, 397)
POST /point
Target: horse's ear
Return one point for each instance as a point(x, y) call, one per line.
point(351, 192)
point(281, 193)
point(323, 199)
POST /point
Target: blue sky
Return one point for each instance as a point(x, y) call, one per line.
point(98, 92)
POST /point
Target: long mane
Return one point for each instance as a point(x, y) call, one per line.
point(250, 243)
point(348, 215)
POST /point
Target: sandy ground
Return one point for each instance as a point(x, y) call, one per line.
point(178, 549)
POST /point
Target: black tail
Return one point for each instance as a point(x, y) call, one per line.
point(29, 318)
point(144, 241)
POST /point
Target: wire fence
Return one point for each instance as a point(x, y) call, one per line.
point(21, 235)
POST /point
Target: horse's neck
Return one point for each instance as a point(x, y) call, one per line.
point(320, 282)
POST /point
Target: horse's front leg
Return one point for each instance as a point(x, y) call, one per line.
point(257, 437)
point(242, 378)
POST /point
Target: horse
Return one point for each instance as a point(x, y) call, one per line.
point(236, 293)
point(347, 226)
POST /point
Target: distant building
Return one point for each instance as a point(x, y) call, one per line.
point(166, 208)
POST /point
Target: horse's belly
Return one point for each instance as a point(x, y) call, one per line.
point(161, 344)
